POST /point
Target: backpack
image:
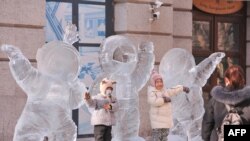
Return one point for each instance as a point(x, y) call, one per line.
point(231, 118)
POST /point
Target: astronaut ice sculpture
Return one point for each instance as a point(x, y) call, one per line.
point(130, 68)
point(178, 67)
point(53, 90)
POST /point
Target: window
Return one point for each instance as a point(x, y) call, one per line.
point(94, 21)
point(213, 33)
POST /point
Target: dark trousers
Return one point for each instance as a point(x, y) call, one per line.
point(102, 132)
point(160, 134)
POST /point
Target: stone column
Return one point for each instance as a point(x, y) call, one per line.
point(21, 24)
point(132, 19)
point(183, 21)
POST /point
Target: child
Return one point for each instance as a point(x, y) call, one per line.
point(160, 106)
point(103, 116)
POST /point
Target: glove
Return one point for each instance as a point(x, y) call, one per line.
point(87, 96)
point(166, 99)
point(107, 106)
point(186, 89)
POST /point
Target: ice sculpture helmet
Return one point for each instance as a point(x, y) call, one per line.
point(58, 59)
point(175, 63)
point(118, 55)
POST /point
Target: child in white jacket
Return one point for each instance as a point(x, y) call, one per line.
point(160, 106)
point(103, 117)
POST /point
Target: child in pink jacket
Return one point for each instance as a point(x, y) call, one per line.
point(160, 106)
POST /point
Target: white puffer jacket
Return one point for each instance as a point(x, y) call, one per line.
point(160, 112)
point(100, 116)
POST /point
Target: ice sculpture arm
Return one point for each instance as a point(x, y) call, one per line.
point(174, 91)
point(204, 69)
point(77, 90)
point(144, 66)
point(70, 34)
point(28, 78)
point(153, 99)
point(208, 121)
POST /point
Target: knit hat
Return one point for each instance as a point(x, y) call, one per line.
point(105, 83)
point(154, 77)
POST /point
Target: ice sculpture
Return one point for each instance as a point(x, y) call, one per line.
point(130, 68)
point(53, 90)
point(178, 68)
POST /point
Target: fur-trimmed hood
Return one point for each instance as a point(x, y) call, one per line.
point(235, 97)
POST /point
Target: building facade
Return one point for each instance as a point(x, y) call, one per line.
point(22, 23)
